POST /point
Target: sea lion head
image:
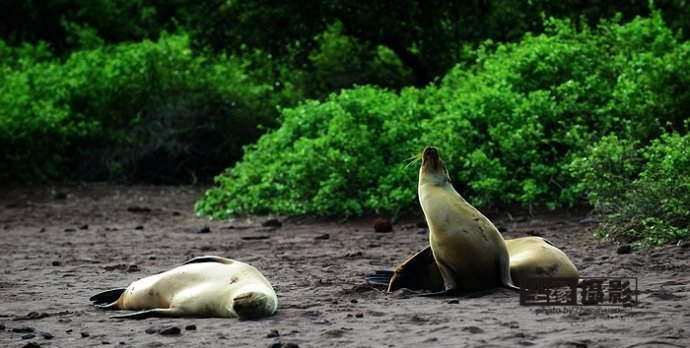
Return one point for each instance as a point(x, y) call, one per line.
point(433, 169)
point(253, 305)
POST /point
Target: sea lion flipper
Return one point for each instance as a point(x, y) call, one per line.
point(506, 279)
point(450, 284)
point(108, 298)
point(380, 276)
point(209, 258)
point(419, 272)
point(150, 313)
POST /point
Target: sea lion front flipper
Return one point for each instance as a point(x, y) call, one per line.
point(150, 313)
point(209, 258)
point(506, 279)
point(419, 272)
point(108, 298)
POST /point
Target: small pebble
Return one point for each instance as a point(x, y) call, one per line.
point(275, 343)
point(23, 329)
point(272, 223)
point(383, 225)
point(28, 336)
point(139, 227)
point(359, 315)
point(85, 334)
point(453, 301)
point(133, 268)
point(323, 237)
point(169, 331)
point(624, 249)
point(48, 335)
point(191, 327)
point(204, 229)
point(84, 227)
point(354, 301)
point(273, 333)
point(473, 329)
point(55, 263)
point(152, 329)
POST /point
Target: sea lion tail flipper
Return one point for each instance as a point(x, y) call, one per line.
point(380, 276)
point(149, 313)
point(209, 258)
point(107, 299)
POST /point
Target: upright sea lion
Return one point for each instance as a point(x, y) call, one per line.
point(206, 286)
point(468, 249)
point(535, 257)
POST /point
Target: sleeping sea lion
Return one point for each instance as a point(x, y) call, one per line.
point(535, 257)
point(206, 286)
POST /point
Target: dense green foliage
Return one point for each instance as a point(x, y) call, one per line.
point(508, 126)
point(642, 191)
point(148, 110)
point(547, 112)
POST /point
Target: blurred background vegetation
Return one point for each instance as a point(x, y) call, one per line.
point(315, 107)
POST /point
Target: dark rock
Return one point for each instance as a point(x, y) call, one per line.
point(133, 268)
point(359, 315)
point(204, 229)
point(139, 210)
point(272, 223)
point(84, 227)
point(473, 329)
point(70, 230)
point(276, 343)
point(139, 227)
point(382, 225)
point(257, 237)
point(453, 301)
point(85, 334)
point(273, 333)
point(22, 329)
point(60, 195)
point(28, 336)
point(56, 263)
point(323, 237)
point(32, 345)
point(354, 301)
point(589, 221)
point(48, 335)
point(290, 345)
point(152, 330)
point(624, 249)
point(170, 331)
point(191, 327)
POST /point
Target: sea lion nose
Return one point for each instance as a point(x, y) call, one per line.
point(430, 152)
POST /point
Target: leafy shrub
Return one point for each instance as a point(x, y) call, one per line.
point(334, 157)
point(508, 126)
point(643, 192)
point(143, 111)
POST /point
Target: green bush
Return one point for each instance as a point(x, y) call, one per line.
point(144, 111)
point(508, 126)
point(642, 192)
